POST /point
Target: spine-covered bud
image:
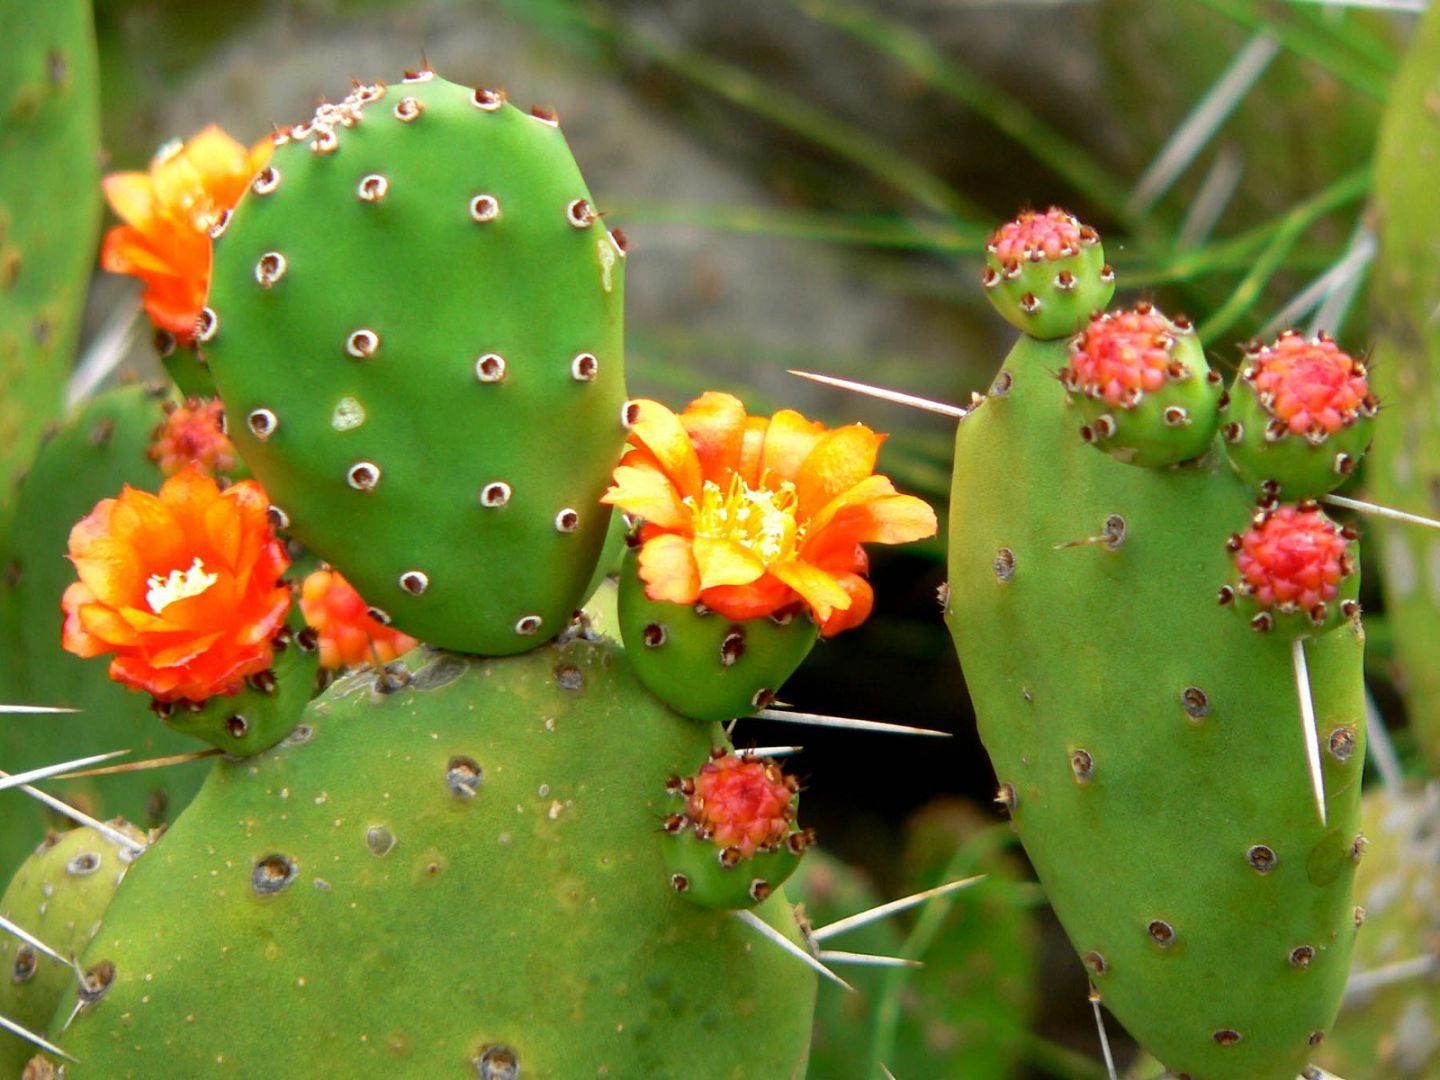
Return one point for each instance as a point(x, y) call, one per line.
point(1296, 571)
point(1302, 416)
point(1046, 273)
point(1143, 387)
point(735, 839)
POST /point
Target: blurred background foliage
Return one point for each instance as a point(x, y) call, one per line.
point(810, 184)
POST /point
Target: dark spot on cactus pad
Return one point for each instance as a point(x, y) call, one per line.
point(567, 520)
point(1344, 464)
point(363, 475)
point(580, 214)
point(760, 890)
point(1227, 1037)
point(584, 367)
point(730, 857)
point(1161, 932)
point(1301, 955)
point(263, 681)
point(207, 324)
point(262, 423)
point(441, 671)
point(486, 99)
point(102, 432)
point(222, 223)
point(621, 241)
point(495, 494)
point(629, 414)
point(528, 624)
point(301, 734)
point(23, 969)
point(1225, 596)
point(484, 207)
point(43, 331)
point(94, 982)
point(1002, 384)
point(1176, 416)
point(1096, 963)
point(1262, 622)
point(270, 268)
point(392, 677)
point(13, 573)
point(1082, 764)
point(372, 188)
point(424, 75)
point(1359, 917)
point(1005, 797)
point(325, 141)
point(497, 1063)
point(679, 882)
point(362, 343)
point(415, 582)
point(732, 648)
point(762, 698)
point(237, 726)
point(380, 615)
point(490, 368)
point(273, 873)
point(277, 517)
point(1004, 565)
point(266, 180)
point(307, 639)
point(463, 777)
point(408, 109)
point(84, 864)
point(569, 677)
point(157, 806)
point(1262, 858)
point(1315, 1039)
point(380, 840)
point(544, 115)
point(1196, 702)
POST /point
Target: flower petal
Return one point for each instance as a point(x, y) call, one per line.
point(667, 566)
point(874, 512)
point(788, 442)
point(131, 196)
point(715, 423)
point(862, 602)
point(648, 494)
point(841, 459)
point(817, 588)
point(659, 430)
point(723, 562)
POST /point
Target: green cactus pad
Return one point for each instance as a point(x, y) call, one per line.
point(454, 867)
point(1046, 273)
point(1149, 744)
point(701, 664)
point(415, 325)
point(58, 895)
point(1301, 417)
point(1142, 385)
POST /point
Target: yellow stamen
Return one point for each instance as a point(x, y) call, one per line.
point(180, 585)
point(761, 520)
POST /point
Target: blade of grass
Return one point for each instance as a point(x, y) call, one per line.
point(1302, 38)
point(914, 52)
point(1291, 226)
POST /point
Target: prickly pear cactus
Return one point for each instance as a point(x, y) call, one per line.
point(59, 896)
point(49, 211)
point(415, 324)
point(1405, 470)
point(1147, 741)
point(103, 447)
point(456, 876)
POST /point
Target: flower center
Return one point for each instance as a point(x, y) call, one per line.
point(179, 585)
point(744, 802)
point(761, 520)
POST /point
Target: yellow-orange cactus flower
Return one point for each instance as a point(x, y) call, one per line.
point(182, 587)
point(749, 515)
point(349, 634)
point(168, 214)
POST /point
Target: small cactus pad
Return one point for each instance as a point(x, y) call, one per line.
point(58, 895)
point(702, 664)
point(452, 869)
point(1046, 273)
point(1297, 572)
point(1301, 416)
point(735, 841)
point(415, 325)
point(1142, 384)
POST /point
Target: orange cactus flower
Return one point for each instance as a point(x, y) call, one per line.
point(182, 587)
point(349, 634)
point(749, 515)
point(168, 214)
point(192, 433)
